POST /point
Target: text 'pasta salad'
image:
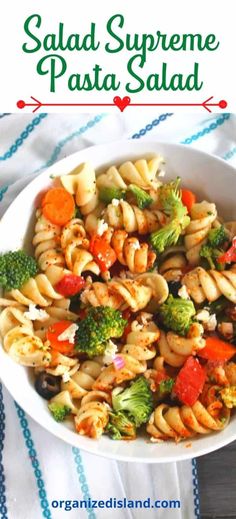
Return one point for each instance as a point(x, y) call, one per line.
point(127, 311)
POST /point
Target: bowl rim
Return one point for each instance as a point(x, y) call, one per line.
point(62, 432)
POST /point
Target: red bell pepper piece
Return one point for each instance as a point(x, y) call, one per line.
point(70, 285)
point(230, 254)
point(189, 381)
point(218, 350)
point(103, 253)
point(188, 198)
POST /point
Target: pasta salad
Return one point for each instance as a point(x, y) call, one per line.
point(126, 313)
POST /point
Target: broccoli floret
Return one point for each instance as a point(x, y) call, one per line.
point(211, 251)
point(59, 411)
point(107, 194)
point(170, 200)
point(120, 427)
point(211, 254)
point(143, 199)
point(171, 203)
point(217, 237)
point(228, 395)
point(166, 236)
point(166, 385)
point(15, 269)
point(136, 400)
point(177, 313)
point(100, 324)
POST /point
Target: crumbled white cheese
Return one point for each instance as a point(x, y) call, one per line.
point(115, 202)
point(101, 227)
point(135, 245)
point(161, 173)
point(203, 315)
point(66, 376)
point(145, 317)
point(183, 292)
point(212, 323)
point(110, 352)
point(36, 314)
point(69, 334)
point(209, 321)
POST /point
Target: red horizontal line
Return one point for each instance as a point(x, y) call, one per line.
point(112, 104)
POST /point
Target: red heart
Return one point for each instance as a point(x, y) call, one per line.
point(121, 103)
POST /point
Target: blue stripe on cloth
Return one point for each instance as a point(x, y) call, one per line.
point(3, 115)
point(213, 126)
point(229, 154)
point(83, 481)
point(196, 496)
point(3, 190)
point(34, 462)
point(57, 150)
point(3, 505)
point(23, 136)
point(151, 125)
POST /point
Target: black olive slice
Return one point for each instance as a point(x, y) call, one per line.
point(47, 385)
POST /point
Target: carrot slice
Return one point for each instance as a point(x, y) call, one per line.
point(54, 331)
point(216, 349)
point(58, 206)
point(188, 198)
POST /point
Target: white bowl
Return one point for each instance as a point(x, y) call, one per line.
point(210, 178)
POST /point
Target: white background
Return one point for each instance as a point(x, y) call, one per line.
point(19, 79)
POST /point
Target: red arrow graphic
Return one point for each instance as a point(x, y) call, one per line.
point(121, 103)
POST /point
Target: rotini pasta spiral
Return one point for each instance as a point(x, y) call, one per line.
point(202, 215)
point(11, 317)
point(142, 173)
point(118, 294)
point(183, 422)
point(81, 182)
point(139, 348)
point(19, 340)
point(131, 218)
point(92, 417)
point(129, 251)
point(123, 293)
point(38, 291)
point(47, 243)
point(82, 381)
point(175, 348)
point(210, 284)
point(91, 222)
point(75, 246)
point(64, 399)
point(159, 288)
point(171, 268)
